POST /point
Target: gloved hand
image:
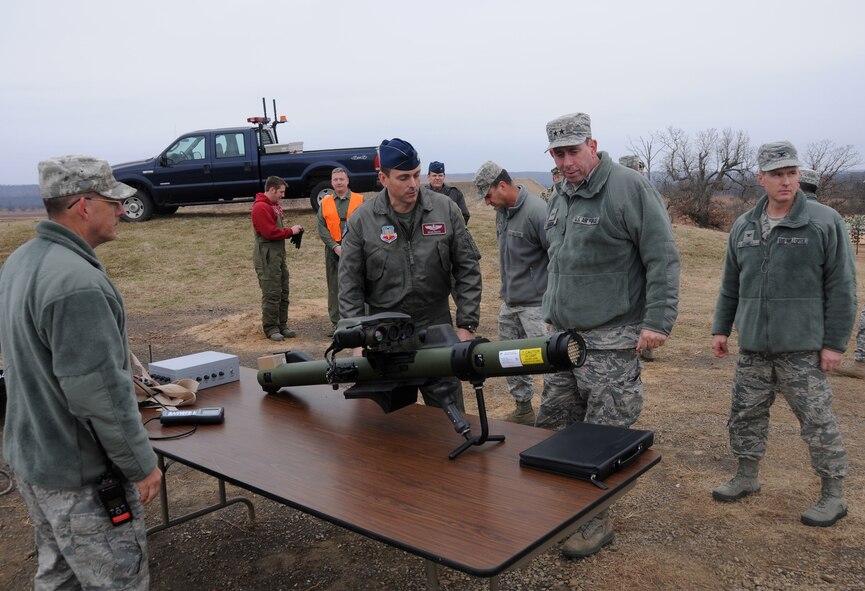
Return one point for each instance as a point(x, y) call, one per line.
point(296, 238)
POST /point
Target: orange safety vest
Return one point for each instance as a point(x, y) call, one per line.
point(331, 217)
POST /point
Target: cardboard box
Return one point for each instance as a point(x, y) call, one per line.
point(271, 361)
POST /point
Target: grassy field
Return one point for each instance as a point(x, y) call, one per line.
point(188, 278)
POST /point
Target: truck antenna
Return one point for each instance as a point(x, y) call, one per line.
point(276, 121)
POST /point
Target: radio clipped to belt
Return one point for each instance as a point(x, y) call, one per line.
point(110, 489)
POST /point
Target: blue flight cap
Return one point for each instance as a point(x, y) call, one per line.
point(398, 154)
point(437, 167)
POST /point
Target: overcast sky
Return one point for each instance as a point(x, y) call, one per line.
point(464, 81)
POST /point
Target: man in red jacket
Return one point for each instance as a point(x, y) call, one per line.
point(268, 256)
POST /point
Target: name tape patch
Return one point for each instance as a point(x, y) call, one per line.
point(433, 229)
point(802, 241)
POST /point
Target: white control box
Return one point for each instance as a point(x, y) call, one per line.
point(208, 368)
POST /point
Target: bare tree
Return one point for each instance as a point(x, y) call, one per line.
point(648, 149)
point(829, 161)
point(700, 167)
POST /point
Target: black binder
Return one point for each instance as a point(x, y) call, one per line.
point(587, 451)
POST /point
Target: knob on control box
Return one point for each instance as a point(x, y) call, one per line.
point(208, 368)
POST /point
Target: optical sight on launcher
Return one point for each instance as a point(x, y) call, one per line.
point(395, 362)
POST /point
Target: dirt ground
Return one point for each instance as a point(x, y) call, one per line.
point(670, 534)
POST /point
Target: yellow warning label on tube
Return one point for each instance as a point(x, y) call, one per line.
point(531, 356)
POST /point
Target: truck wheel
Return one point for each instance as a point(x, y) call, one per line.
point(138, 208)
point(318, 193)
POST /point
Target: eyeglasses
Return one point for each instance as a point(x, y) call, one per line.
point(111, 201)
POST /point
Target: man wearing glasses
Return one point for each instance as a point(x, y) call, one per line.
point(73, 434)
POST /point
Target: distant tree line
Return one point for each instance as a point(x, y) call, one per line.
point(15, 197)
point(692, 170)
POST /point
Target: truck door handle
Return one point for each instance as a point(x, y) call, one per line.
point(247, 166)
point(206, 169)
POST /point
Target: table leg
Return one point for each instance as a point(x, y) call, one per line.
point(432, 575)
point(223, 502)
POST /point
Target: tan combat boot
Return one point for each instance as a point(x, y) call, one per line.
point(523, 414)
point(830, 508)
point(744, 483)
point(590, 538)
point(851, 370)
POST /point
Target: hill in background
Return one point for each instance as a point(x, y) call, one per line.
point(20, 197)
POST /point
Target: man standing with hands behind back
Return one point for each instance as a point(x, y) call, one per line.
point(332, 217)
point(789, 285)
point(71, 416)
point(613, 277)
point(268, 256)
point(520, 219)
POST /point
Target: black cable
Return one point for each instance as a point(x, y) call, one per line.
point(163, 407)
point(163, 437)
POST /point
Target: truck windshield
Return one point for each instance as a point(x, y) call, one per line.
point(191, 147)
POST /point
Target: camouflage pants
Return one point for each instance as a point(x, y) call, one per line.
point(606, 390)
point(520, 322)
point(803, 384)
point(269, 261)
point(78, 548)
point(859, 354)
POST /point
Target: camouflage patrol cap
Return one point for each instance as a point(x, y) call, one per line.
point(808, 176)
point(777, 155)
point(632, 161)
point(569, 130)
point(485, 177)
point(73, 175)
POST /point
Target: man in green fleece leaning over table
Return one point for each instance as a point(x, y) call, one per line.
point(613, 277)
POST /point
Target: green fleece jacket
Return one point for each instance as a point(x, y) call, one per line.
point(63, 338)
point(794, 291)
point(613, 258)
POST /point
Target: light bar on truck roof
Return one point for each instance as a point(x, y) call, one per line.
point(258, 120)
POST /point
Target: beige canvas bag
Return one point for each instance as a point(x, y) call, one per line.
point(150, 393)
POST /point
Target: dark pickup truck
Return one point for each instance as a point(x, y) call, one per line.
point(230, 165)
